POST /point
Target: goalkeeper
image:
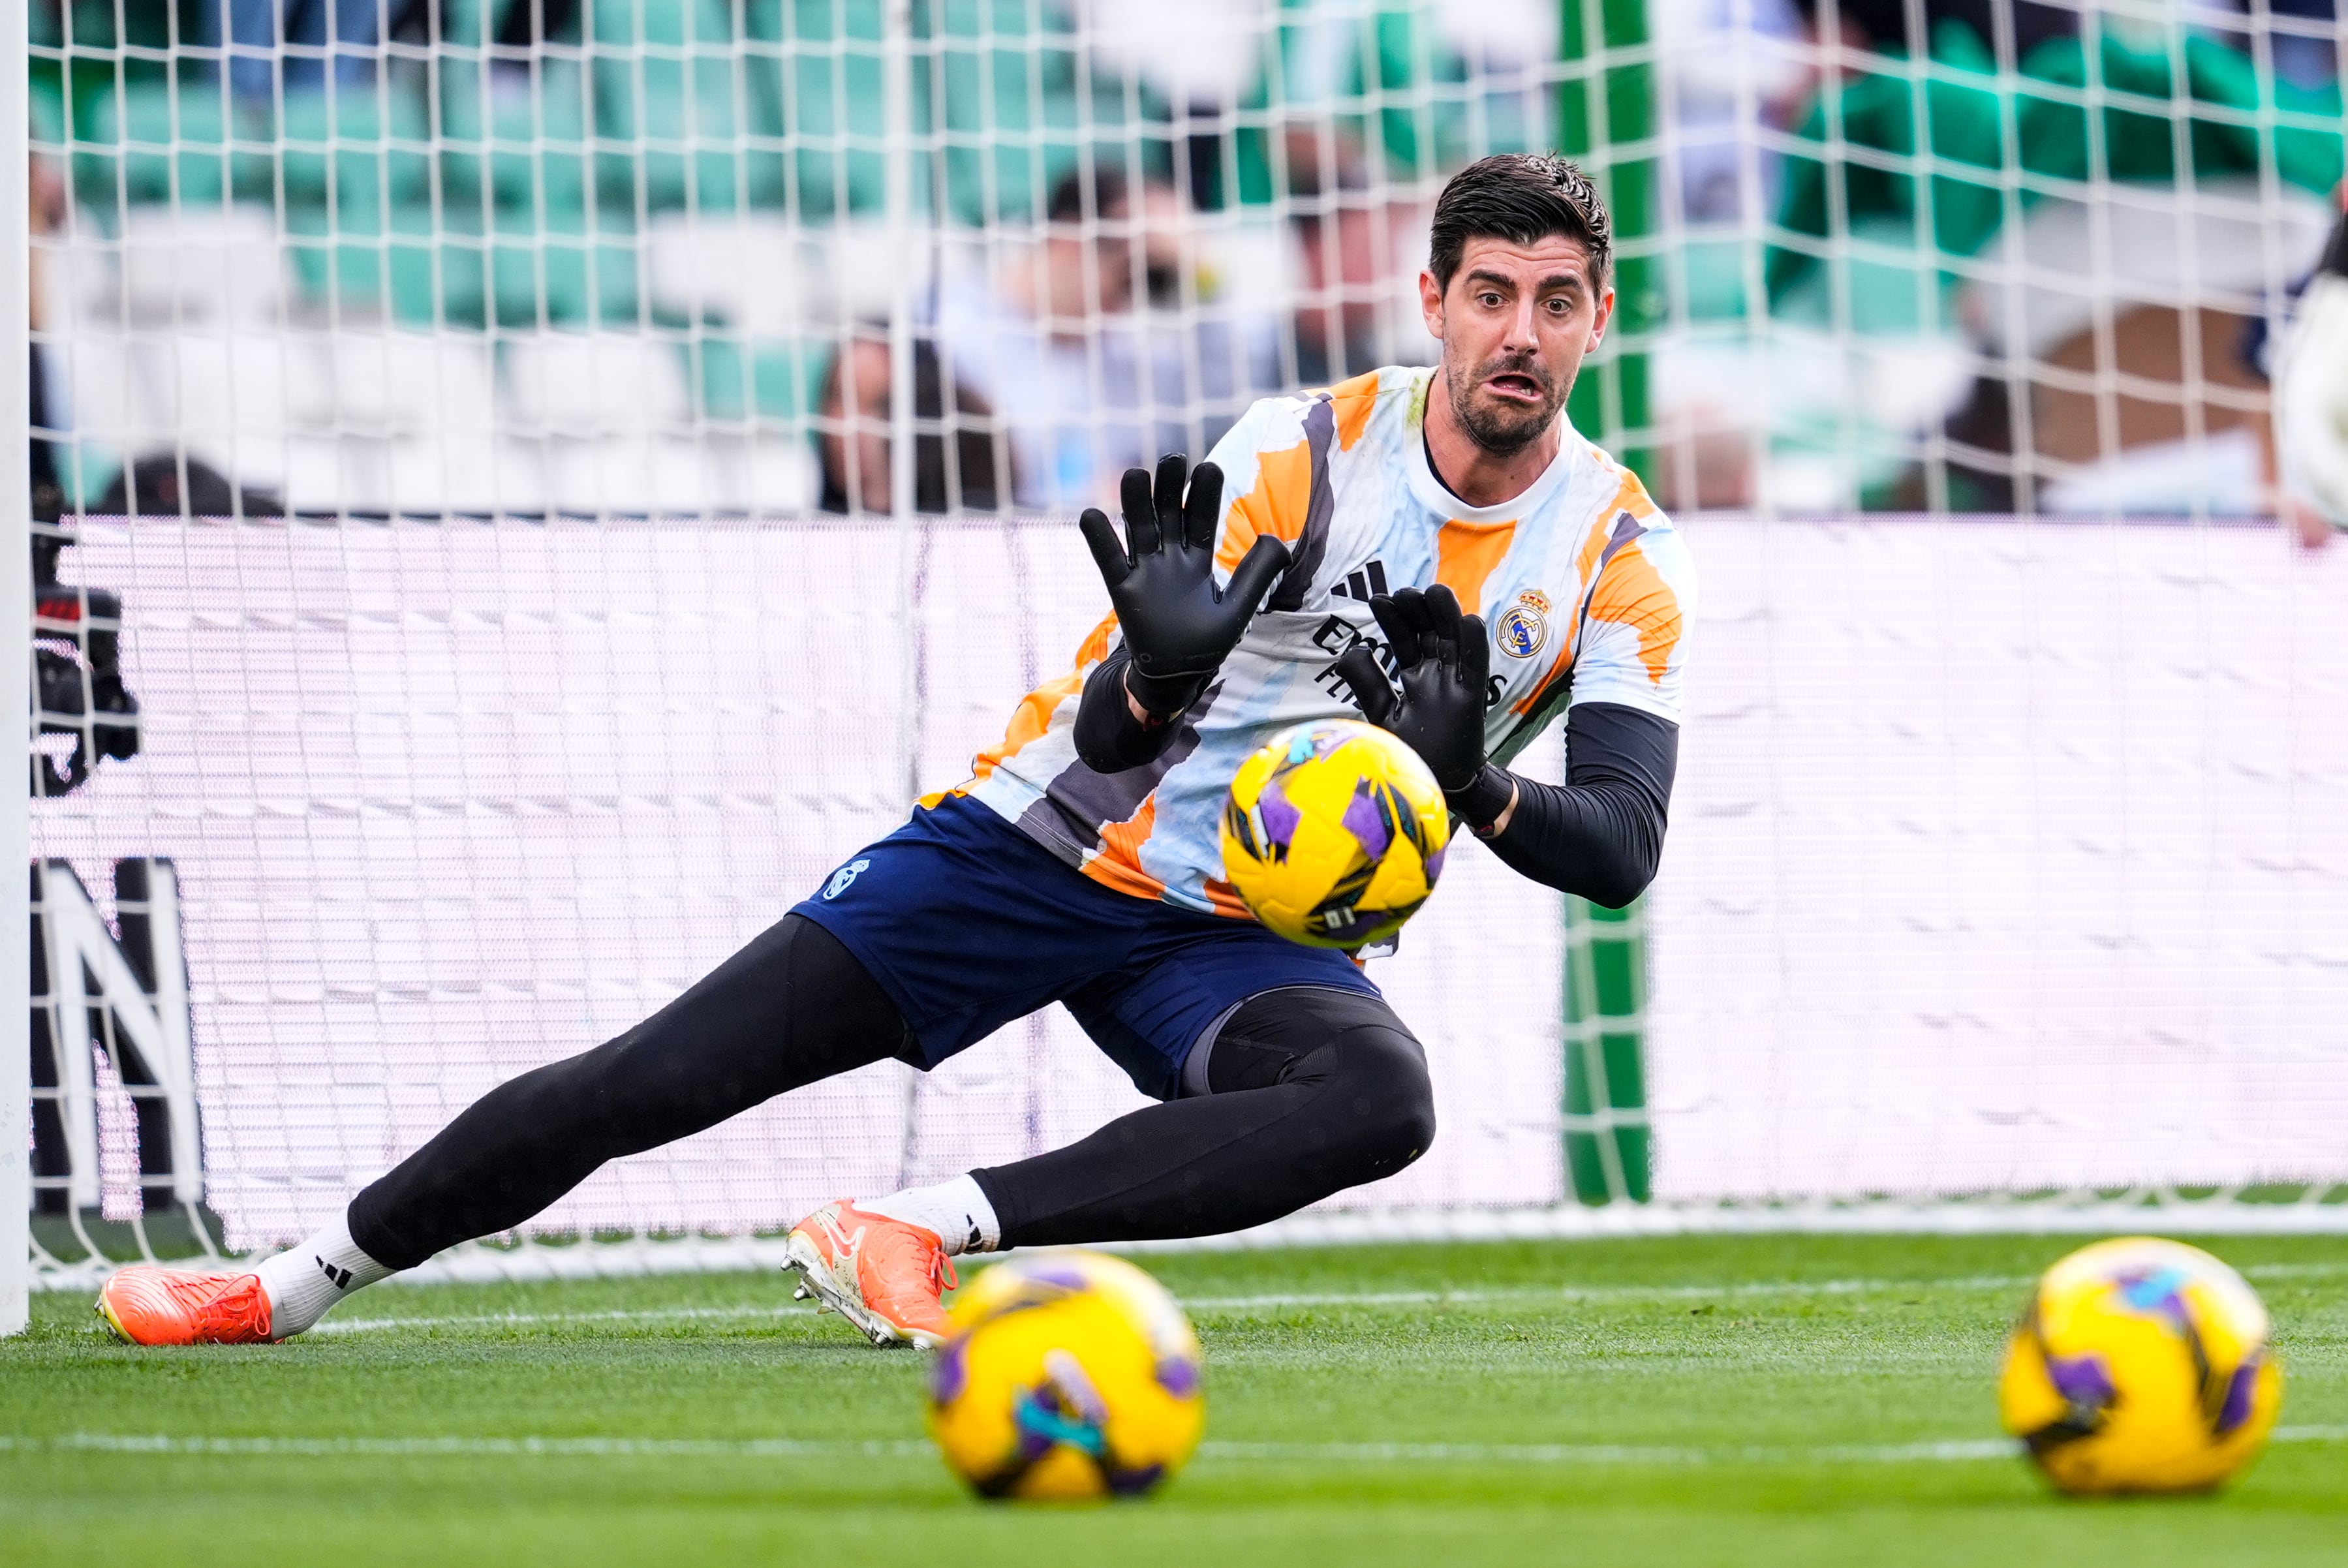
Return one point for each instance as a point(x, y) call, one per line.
point(2310, 397)
point(1437, 548)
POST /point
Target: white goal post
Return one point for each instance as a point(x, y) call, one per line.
point(15, 632)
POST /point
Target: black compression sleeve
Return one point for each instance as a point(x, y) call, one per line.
point(1313, 1091)
point(1601, 833)
point(1109, 739)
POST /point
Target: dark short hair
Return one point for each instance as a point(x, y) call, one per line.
point(1521, 196)
point(1066, 204)
point(953, 454)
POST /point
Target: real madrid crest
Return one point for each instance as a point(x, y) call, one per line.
point(1524, 625)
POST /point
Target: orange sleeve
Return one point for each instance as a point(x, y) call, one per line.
point(1034, 715)
point(1276, 506)
point(1631, 593)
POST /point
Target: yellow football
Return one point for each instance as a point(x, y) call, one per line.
point(1334, 833)
point(2141, 1366)
point(1070, 1376)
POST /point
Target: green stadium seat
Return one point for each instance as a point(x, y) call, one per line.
point(668, 24)
point(154, 142)
point(356, 156)
point(665, 79)
point(46, 108)
point(735, 380)
point(469, 25)
point(538, 157)
point(561, 275)
point(799, 99)
point(405, 264)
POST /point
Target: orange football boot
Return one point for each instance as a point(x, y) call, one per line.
point(882, 1274)
point(148, 1306)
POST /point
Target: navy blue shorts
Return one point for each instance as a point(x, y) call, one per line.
point(968, 923)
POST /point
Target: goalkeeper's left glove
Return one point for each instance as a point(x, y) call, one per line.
point(1178, 627)
point(2311, 392)
point(1444, 660)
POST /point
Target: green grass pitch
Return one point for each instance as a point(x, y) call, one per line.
point(1687, 1401)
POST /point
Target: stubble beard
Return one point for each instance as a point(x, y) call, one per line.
point(1497, 432)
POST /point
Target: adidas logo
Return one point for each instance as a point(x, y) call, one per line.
point(339, 1278)
point(1362, 583)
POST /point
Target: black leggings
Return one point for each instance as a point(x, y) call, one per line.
point(1313, 1091)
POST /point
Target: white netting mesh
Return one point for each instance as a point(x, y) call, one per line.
point(450, 800)
point(2005, 857)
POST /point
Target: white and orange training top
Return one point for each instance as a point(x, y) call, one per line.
point(1587, 590)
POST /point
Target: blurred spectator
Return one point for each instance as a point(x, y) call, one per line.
point(1100, 348)
point(2302, 56)
point(1735, 76)
point(2309, 372)
point(167, 484)
point(300, 37)
point(1891, 24)
point(1344, 252)
point(2299, 34)
point(2105, 314)
point(853, 435)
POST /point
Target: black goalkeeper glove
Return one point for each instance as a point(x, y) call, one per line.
point(1178, 627)
point(1445, 661)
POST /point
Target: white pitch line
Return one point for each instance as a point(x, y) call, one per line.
point(556, 1447)
point(1241, 1303)
point(525, 1319)
point(1273, 1300)
point(1678, 1291)
point(1595, 1293)
point(1948, 1451)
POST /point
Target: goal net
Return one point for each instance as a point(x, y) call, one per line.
point(557, 608)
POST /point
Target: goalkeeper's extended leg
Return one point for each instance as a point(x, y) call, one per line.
point(1304, 1092)
point(792, 1008)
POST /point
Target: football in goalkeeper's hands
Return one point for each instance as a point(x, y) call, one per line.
point(1334, 833)
point(2141, 1366)
point(1070, 1376)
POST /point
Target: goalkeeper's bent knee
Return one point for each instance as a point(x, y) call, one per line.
point(1373, 1099)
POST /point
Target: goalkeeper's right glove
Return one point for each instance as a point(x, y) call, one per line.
point(1443, 660)
point(2311, 392)
point(1178, 627)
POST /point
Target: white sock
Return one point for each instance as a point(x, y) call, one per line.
point(304, 1283)
point(956, 1210)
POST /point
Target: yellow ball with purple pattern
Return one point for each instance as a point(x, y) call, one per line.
point(2141, 1366)
point(1070, 1376)
point(1334, 833)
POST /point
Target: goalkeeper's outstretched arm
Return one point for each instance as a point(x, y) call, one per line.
point(1599, 835)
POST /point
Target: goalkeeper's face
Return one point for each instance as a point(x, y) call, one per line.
point(1514, 321)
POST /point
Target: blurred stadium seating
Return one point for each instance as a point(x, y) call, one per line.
point(2021, 259)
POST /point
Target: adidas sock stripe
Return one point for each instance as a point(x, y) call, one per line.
point(304, 1283)
point(956, 1210)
